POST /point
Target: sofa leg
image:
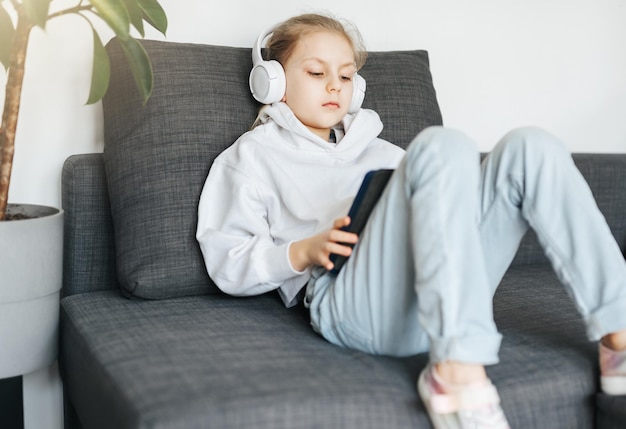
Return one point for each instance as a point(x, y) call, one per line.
point(69, 414)
point(611, 411)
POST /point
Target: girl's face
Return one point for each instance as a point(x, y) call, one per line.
point(319, 80)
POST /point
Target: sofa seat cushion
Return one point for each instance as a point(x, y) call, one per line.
point(549, 369)
point(220, 362)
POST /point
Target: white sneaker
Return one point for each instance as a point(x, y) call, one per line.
point(474, 407)
point(612, 371)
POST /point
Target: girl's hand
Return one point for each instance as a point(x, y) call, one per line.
point(316, 250)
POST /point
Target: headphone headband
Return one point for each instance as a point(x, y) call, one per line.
point(257, 56)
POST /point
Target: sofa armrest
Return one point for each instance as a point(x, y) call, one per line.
point(88, 248)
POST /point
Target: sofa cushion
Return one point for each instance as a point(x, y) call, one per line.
point(157, 156)
point(548, 373)
point(221, 362)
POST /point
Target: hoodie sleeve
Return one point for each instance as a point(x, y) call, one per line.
point(239, 252)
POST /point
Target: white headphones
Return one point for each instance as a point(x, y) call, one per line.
point(268, 83)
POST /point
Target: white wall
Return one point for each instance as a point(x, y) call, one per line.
point(497, 64)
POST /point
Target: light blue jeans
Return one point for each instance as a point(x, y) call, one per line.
point(423, 274)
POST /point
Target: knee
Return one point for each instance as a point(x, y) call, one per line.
point(439, 145)
point(532, 142)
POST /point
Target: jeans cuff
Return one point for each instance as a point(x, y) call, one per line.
point(606, 320)
point(482, 349)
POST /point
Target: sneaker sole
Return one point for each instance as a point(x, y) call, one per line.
point(613, 385)
point(439, 421)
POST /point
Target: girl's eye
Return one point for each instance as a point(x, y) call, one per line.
point(316, 74)
point(346, 78)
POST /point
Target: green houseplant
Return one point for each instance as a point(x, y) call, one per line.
point(19, 17)
point(31, 243)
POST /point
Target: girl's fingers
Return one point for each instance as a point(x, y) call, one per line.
point(341, 222)
point(339, 236)
point(339, 249)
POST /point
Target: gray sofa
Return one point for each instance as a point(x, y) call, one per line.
point(148, 341)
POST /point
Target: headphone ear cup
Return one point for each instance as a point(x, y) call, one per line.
point(358, 93)
point(267, 82)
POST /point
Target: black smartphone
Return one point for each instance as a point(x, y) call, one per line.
point(371, 189)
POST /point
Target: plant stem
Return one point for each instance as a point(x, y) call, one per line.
point(13, 93)
point(75, 9)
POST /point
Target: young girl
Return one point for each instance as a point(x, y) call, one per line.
point(423, 273)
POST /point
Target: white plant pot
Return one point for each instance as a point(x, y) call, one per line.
point(31, 275)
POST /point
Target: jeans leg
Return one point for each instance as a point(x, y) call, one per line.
point(530, 179)
point(417, 277)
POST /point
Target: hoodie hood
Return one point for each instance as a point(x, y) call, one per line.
point(359, 130)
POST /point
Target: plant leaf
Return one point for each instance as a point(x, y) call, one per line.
point(101, 71)
point(136, 15)
point(37, 11)
point(115, 15)
point(154, 14)
point(140, 66)
point(6, 37)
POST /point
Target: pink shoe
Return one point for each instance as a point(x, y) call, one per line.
point(612, 371)
point(476, 407)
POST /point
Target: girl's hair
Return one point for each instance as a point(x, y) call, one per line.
point(286, 35)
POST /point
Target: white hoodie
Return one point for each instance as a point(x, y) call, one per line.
point(277, 184)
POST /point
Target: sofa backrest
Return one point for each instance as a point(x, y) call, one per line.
point(606, 175)
point(126, 224)
point(89, 248)
point(157, 156)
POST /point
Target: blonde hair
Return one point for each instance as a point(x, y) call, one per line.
point(286, 35)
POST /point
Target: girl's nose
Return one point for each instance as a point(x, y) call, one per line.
point(334, 84)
